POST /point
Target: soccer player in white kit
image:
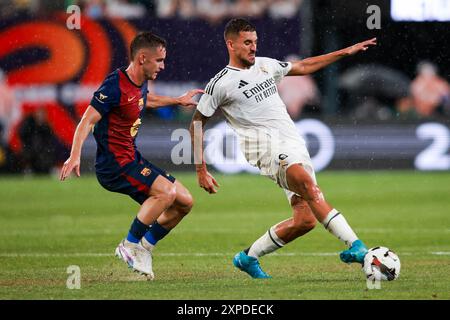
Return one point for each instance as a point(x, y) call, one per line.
point(246, 92)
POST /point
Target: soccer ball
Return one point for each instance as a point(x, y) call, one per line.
point(381, 263)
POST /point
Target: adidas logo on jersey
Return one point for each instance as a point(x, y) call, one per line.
point(242, 84)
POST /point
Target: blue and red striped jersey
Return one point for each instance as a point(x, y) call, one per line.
point(121, 103)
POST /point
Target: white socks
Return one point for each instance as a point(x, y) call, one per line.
point(268, 243)
point(334, 222)
point(338, 226)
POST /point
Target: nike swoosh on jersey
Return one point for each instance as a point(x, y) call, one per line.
point(129, 99)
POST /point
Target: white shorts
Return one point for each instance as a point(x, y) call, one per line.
point(275, 164)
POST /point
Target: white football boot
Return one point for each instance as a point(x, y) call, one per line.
point(137, 258)
point(148, 247)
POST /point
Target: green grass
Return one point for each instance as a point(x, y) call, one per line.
point(46, 226)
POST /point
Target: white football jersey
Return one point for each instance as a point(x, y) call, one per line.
point(251, 104)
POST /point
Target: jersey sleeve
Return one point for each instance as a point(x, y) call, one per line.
point(211, 99)
point(107, 96)
point(279, 68)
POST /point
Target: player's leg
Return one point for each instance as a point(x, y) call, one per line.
point(302, 221)
point(155, 191)
point(302, 183)
point(180, 208)
point(161, 195)
point(170, 218)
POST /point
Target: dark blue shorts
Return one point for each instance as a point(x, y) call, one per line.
point(135, 179)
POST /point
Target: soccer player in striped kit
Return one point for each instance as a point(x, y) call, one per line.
point(115, 114)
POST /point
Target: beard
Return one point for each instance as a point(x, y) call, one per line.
point(247, 63)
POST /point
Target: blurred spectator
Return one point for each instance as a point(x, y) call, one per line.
point(149, 6)
point(184, 9)
point(300, 94)
point(7, 158)
point(94, 9)
point(124, 9)
point(373, 91)
point(248, 8)
point(166, 8)
point(430, 93)
point(6, 8)
point(10, 110)
point(213, 11)
point(3, 155)
point(283, 9)
point(39, 143)
point(10, 8)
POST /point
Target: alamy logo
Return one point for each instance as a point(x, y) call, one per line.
point(242, 83)
point(74, 279)
point(74, 20)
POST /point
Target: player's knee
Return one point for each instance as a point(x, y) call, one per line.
point(312, 192)
point(188, 203)
point(305, 187)
point(171, 195)
point(167, 195)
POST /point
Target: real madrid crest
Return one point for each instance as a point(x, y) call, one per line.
point(263, 70)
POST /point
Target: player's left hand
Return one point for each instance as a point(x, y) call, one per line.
point(362, 46)
point(207, 181)
point(186, 100)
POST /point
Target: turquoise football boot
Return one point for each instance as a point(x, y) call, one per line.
point(355, 253)
point(249, 265)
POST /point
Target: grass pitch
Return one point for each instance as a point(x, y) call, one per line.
point(47, 226)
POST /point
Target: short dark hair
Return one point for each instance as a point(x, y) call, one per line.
point(236, 25)
point(145, 40)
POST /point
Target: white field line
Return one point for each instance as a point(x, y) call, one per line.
point(190, 254)
point(441, 253)
point(163, 254)
point(53, 233)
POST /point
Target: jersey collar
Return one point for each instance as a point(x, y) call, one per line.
point(234, 68)
point(129, 79)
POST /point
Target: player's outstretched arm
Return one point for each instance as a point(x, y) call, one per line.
point(205, 179)
point(311, 65)
point(185, 100)
point(90, 118)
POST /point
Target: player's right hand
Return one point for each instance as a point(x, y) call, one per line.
point(68, 166)
point(207, 181)
point(187, 99)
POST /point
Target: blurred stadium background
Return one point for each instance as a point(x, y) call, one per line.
point(383, 109)
point(386, 109)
